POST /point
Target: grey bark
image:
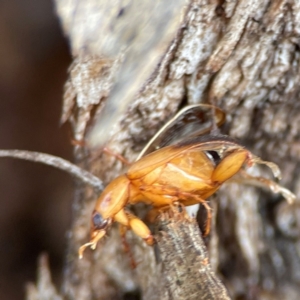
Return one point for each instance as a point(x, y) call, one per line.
point(187, 273)
point(242, 56)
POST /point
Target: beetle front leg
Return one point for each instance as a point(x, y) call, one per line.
point(197, 199)
point(136, 225)
point(123, 229)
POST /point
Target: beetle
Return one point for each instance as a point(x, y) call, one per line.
point(186, 171)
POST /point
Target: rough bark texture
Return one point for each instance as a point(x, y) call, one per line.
point(243, 56)
point(186, 270)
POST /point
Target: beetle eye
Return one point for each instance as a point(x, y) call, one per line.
point(98, 221)
point(214, 157)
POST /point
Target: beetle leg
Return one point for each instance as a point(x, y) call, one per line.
point(155, 211)
point(123, 229)
point(177, 195)
point(246, 178)
point(229, 165)
point(106, 150)
point(196, 198)
point(208, 219)
point(275, 169)
point(140, 229)
point(117, 156)
point(137, 226)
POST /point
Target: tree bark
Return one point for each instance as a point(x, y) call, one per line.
point(186, 269)
point(242, 56)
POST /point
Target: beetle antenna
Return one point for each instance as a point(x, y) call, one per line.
point(56, 162)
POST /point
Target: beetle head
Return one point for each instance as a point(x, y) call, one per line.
point(99, 228)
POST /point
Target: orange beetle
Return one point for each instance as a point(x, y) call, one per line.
point(186, 172)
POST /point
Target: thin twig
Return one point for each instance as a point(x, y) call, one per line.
point(187, 270)
point(56, 162)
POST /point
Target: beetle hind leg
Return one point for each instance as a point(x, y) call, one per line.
point(246, 178)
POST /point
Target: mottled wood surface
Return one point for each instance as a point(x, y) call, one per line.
point(243, 56)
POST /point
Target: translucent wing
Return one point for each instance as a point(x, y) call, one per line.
point(193, 120)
